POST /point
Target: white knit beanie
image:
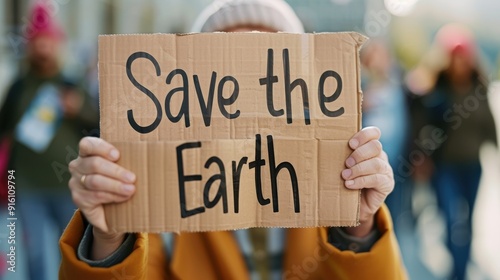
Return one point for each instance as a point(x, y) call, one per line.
point(223, 14)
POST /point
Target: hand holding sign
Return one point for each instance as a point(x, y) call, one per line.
point(97, 180)
point(368, 170)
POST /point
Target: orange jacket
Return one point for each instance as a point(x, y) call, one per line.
point(215, 255)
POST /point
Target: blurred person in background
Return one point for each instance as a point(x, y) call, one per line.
point(385, 106)
point(44, 114)
point(452, 118)
point(91, 252)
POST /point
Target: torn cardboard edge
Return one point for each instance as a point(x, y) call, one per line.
point(189, 164)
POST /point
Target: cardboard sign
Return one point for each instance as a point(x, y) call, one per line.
point(231, 130)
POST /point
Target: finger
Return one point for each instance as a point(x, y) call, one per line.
point(380, 182)
point(101, 166)
point(364, 136)
point(368, 167)
point(364, 152)
point(383, 155)
point(98, 197)
point(93, 146)
point(96, 182)
point(87, 200)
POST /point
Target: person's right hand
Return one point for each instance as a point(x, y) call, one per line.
point(96, 180)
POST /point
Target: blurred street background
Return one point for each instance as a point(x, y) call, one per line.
point(402, 67)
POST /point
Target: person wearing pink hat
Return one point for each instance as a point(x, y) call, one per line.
point(363, 252)
point(453, 119)
point(44, 115)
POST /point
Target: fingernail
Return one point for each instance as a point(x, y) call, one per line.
point(350, 162)
point(114, 154)
point(346, 173)
point(349, 183)
point(129, 176)
point(353, 143)
point(128, 188)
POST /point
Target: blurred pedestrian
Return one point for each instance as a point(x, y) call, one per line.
point(452, 120)
point(43, 114)
point(385, 106)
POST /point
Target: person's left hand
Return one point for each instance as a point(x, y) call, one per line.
point(368, 170)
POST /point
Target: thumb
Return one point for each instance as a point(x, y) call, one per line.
point(97, 219)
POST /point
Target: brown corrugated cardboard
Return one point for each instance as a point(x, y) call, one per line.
point(231, 130)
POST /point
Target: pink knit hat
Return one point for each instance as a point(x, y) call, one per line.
point(457, 39)
point(42, 22)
